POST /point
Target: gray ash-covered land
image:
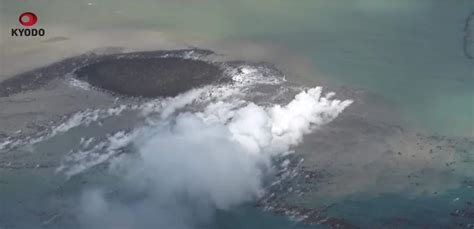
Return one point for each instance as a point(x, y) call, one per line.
point(31, 100)
point(154, 73)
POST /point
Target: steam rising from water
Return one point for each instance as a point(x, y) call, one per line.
point(193, 163)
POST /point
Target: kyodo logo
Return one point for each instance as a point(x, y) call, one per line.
point(28, 19)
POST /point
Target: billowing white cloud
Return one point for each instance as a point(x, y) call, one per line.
point(213, 159)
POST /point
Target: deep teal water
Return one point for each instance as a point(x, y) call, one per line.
point(253, 218)
point(394, 210)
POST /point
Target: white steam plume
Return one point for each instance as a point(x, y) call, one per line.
point(194, 163)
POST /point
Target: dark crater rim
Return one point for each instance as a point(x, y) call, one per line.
point(141, 76)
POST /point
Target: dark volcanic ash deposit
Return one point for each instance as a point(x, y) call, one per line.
point(149, 74)
point(150, 77)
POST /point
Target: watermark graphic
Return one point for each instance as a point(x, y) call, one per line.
point(27, 19)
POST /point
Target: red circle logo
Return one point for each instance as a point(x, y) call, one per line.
point(28, 19)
